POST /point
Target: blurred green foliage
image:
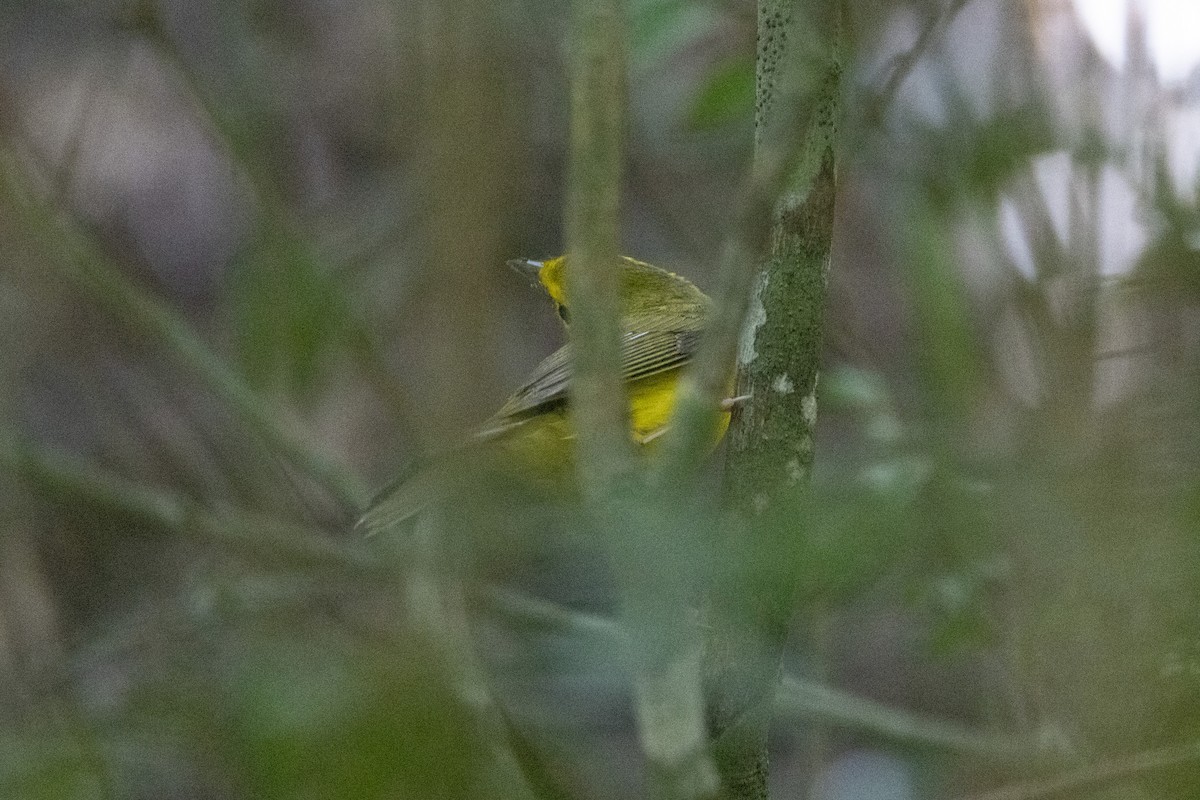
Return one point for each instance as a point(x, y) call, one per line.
point(323, 719)
point(727, 94)
point(995, 568)
point(290, 314)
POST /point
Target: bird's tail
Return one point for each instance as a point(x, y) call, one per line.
point(395, 508)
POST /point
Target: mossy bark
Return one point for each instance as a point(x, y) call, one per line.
point(770, 440)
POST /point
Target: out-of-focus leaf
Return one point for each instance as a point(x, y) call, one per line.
point(845, 387)
point(838, 537)
point(961, 560)
point(962, 623)
point(977, 158)
point(288, 313)
point(326, 720)
point(656, 24)
point(727, 95)
point(951, 356)
point(34, 767)
point(856, 531)
point(1172, 261)
point(864, 393)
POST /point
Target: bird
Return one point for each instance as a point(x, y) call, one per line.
point(661, 316)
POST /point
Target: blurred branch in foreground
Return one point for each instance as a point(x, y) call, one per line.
point(653, 589)
point(795, 698)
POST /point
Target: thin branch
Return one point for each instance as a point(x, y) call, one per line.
point(281, 224)
point(796, 698)
point(592, 216)
point(82, 261)
point(1100, 774)
point(65, 475)
point(654, 590)
point(798, 87)
point(903, 64)
point(803, 699)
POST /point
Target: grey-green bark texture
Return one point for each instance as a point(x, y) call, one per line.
point(770, 440)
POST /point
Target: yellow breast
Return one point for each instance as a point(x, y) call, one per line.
point(651, 403)
point(546, 441)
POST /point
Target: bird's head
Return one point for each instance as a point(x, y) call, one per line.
point(645, 290)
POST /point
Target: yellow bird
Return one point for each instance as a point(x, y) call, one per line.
point(661, 318)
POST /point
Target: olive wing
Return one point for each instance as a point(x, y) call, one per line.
point(643, 353)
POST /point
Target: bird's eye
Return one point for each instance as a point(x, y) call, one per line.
point(564, 314)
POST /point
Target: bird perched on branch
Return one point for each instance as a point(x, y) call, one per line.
point(661, 319)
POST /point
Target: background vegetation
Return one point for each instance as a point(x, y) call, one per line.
point(251, 267)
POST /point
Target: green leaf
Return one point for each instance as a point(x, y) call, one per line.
point(727, 95)
point(838, 537)
point(37, 766)
point(320, 719)
point(654, 21)
point(288, 312)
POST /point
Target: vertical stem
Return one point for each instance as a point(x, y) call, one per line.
point(592, 219)
point(770, 442)
point(642, 533)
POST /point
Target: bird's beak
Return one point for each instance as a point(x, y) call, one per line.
point(527, 267)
